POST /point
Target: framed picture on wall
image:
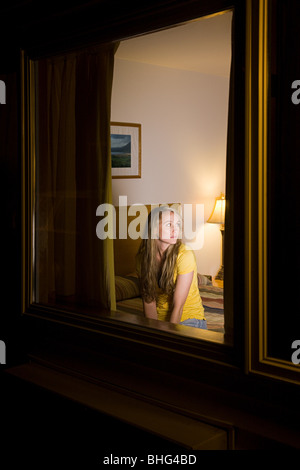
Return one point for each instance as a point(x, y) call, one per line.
point(125, 150)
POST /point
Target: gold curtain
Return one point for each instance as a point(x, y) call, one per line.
point(73, 176)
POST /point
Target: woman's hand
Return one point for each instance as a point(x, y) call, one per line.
point(150, 310)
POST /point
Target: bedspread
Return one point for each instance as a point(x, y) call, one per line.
point(212, 299)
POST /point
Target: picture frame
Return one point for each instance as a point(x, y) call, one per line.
point(125, 150)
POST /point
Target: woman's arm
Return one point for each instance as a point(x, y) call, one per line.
point(150, 309)
point(183, 284)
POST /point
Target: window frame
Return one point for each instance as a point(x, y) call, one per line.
point(206, 346)
point(258, 46)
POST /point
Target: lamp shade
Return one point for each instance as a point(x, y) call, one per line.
point(218, 213)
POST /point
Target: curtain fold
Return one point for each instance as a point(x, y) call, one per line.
point(73, 173)
point(94, 75)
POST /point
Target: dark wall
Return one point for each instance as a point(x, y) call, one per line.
point(40, 427)
point(44, 27)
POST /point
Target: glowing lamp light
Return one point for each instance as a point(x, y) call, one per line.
point(218, 213)
point(218, 217)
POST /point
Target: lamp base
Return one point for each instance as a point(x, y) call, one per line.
point(219, 278)
point(220, 274)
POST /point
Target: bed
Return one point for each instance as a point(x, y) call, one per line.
point(128, 299)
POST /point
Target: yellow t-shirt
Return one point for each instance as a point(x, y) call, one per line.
point(193, 307)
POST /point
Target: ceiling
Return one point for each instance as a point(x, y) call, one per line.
point(202, 45)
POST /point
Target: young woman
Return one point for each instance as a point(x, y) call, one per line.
point(168, 272)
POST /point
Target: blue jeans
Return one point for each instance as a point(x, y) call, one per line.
point(195, 322)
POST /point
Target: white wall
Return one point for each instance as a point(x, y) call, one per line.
point(184, 131)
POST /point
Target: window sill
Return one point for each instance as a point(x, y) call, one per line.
point(175, 428)
point(177, 340)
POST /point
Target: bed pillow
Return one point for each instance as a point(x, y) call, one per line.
point(127, 287)
point(204, 280)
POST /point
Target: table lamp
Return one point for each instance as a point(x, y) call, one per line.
point(218, 217)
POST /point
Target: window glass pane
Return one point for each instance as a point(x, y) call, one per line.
point(175, 85)
point(172, 107)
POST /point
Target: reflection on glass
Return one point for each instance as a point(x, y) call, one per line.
point(175, 83)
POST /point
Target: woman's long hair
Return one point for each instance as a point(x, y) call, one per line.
point(152, 273)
